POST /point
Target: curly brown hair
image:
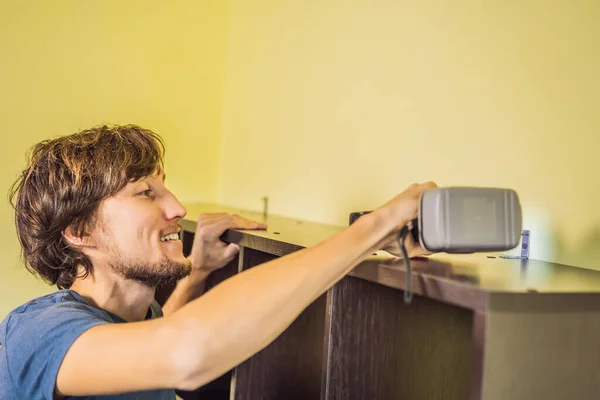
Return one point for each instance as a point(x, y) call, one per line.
point(63, 185)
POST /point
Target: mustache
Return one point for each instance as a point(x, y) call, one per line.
point(172, 229)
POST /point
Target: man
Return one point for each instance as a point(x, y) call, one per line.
point(95, 218)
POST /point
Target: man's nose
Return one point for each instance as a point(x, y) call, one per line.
point(173, 208)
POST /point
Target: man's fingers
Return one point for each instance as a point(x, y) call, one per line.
point(418, 188)
point(230, 251)
point(240, 222)
point(237, 221)
point(426, 186)
point(212, 227)
point(208, 219)
point(221, 225)
point(429, 185)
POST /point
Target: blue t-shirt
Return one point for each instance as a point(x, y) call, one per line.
point(35, 337)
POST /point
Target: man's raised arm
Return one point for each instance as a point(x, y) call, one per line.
point(236, 319)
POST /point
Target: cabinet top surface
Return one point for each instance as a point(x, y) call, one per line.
point(471, 274)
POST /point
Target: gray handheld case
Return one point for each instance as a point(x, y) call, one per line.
point(468, 220)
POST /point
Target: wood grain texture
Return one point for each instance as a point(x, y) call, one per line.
point(480, 327)
point(477, 355)
point(284, 235)
point(542, 355)
point(542, 347)
point(380, 348)
point(463, 280)
point(291, 366)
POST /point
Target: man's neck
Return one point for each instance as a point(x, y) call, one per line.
point(128, 299)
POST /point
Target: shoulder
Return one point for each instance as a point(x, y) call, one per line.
point(36, 336)
point(47, 319)
point(54, 308)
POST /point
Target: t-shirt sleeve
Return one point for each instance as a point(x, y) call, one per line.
point(37, 342)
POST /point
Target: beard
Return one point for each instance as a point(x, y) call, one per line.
point(161, 272)
point(164, 272)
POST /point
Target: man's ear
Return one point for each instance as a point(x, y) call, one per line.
point(83, 240)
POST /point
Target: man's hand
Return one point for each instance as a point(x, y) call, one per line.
point(413, 248)
point(208, 251)
point(399, 211)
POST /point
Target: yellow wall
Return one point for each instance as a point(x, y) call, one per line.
point(335, 106)
point(71, 64)
point(326, 107)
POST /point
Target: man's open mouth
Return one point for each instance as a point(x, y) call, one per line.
point(171, 236)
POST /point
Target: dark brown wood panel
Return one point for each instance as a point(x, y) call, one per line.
point(291, 233)
point(381, 348)
point(441, 346)
point(477, 355)
point(538, 351)
point(291, 366)
point(464, 280)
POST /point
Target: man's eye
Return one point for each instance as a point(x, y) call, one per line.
point(146, 193)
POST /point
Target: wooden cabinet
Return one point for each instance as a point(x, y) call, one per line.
point(479, 327)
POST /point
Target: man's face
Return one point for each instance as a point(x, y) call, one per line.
point(137, 233)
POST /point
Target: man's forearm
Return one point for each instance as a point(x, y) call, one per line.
point(187, 289)
point(245, 313)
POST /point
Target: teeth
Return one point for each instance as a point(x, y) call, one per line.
point(172, 236)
